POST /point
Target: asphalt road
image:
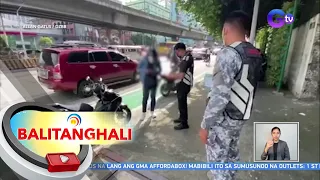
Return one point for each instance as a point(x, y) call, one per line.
point(131, 93)
point(10, 95)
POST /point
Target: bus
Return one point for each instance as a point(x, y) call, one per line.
point(164, 48)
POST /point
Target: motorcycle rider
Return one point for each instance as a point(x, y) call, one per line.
point(207, 60)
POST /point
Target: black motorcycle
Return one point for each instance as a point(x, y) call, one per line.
point(109, 101)
point(169, 85)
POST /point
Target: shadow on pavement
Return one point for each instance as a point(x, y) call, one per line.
point(156, 141)
point(66, 97)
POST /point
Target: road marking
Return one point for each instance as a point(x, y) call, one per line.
point(197, 79)
point(9, 94)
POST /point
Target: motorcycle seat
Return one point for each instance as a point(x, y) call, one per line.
point(75, 107)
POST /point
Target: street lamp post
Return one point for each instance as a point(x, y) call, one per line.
point(21, 34)
point(254, 21)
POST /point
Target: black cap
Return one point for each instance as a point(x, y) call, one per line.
point(180, 46)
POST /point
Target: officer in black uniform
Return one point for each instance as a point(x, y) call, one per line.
point(184, 80)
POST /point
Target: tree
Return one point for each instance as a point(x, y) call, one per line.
point(45, 41)
point(212, 13)
point(3, 44)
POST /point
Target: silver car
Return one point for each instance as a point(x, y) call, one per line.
point(216, 50)
point(200, 53)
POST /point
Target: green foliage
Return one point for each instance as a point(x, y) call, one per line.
point(277, 47)
point(3, 44)
point(142, 39)
point(206, 12)
point(262, 38)
point(45, 41)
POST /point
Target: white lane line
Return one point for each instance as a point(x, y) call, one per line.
point(8, 93)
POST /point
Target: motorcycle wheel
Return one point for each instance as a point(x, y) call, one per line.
point(123, 115)
point(165, 90)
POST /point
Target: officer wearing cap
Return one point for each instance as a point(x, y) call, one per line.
point(235, 78)
point(184, 80)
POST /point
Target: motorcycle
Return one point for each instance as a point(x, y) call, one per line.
point(109, 101)
point(207, 60)
point(169, 85)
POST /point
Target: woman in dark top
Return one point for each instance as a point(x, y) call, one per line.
point(149, 69)
point(276, 149)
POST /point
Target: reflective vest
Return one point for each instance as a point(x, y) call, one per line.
point(245, 84)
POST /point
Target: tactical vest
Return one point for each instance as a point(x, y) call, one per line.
point(188, 76)
point(246, 80)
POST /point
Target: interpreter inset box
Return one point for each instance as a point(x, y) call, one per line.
point(276, 142)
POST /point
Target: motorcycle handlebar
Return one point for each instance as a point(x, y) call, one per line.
point(98, 87)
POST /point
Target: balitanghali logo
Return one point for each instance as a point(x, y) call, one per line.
point(76, 132)
point(281, 19)
point(74, 120)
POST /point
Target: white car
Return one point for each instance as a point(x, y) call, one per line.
point(200, 53)
point(216, 50)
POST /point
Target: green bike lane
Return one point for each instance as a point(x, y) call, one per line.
point(134, 98)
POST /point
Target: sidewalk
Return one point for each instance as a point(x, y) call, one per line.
point(156, 141)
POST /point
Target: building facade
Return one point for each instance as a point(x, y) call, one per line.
point(31, 37)
point(183, 19)
point(102, 35)
point(160, 8)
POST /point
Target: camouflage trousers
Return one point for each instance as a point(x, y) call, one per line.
point(223, 147)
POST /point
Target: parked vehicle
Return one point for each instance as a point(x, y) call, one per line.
point(65, 67)
point(216, 50)
point(165, 48)
point(200, 53)
point(130, 51)
point(169, 85)
point(109, 101)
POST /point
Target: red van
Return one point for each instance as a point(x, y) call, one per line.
point(66, 68)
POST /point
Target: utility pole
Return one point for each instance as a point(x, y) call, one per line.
point(21, 34)
point(254, 21)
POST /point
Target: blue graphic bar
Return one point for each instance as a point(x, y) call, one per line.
point(206, 166)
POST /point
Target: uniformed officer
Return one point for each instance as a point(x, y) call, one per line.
point(235, 78)
point(184, 81)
